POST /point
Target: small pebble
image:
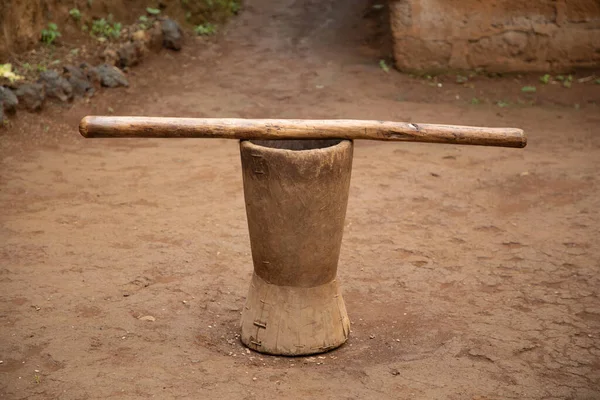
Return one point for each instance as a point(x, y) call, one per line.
point(36, 370)
point(254, 378)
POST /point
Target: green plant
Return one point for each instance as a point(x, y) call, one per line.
point(383, 65)
point(143, 22)
point(6, 72)
point(568, 80)
point(597, 81)
point(461, 79)
point(545, 79)
point(528, 89)
point(475, 101)
point(27, 67)
point(75, 13)
point(104, 28)
point(234, 7)
point(216, 11)
point(152, 11)
point(50, 34)
point(205, 29)
point(502, 103)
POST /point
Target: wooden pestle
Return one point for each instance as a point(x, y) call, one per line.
point(269, 129)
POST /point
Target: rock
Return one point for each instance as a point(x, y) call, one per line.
point(31, 96)
point(130, 54)
point(8, 99)
point(110, 57)
point(90, 72)
point(140, 36)
point(56, 85)
point(111, 76)
point(155, 37)
point(79, 81)
point(147, 318)
point(150, 39)
point(171, 34)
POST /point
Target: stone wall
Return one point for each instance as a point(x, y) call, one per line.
point(496, 35)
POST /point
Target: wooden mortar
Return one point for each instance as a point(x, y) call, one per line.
point(296, 193)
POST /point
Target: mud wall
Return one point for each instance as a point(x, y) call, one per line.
point(496, 35)
point(22, 21)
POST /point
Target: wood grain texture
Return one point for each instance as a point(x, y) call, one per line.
point(295, 206)
point(294, 321)
point(236, 128)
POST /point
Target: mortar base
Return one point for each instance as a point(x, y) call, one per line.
point(293, 321)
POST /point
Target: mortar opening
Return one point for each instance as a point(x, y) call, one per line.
point(297, 144)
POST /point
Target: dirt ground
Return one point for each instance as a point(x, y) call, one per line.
point(468, 273)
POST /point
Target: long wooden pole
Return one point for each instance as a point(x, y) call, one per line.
point(234, 128)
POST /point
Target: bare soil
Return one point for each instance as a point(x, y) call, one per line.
point(468, 273)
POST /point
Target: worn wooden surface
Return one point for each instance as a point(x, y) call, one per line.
point(234, 128)
point(296, 205)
